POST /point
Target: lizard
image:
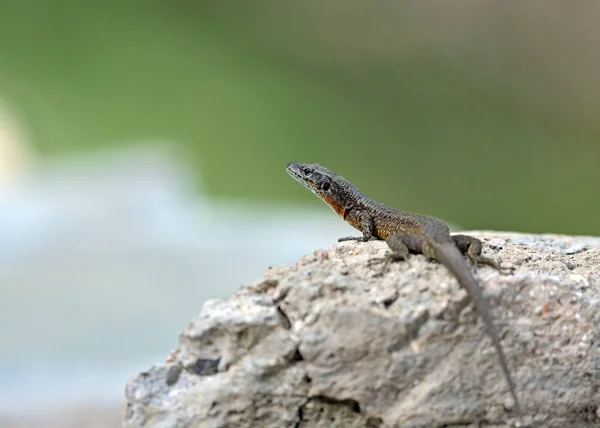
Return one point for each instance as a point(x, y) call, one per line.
point(405, 233)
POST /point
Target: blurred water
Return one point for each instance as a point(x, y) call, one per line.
point(105, 257)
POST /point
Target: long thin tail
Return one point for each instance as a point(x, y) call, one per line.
point(454, 261)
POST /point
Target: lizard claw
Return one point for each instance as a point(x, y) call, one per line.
point(503, 269)
point(388, 258)
point(506, 269)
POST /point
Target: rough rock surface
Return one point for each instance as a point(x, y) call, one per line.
point(343, 340)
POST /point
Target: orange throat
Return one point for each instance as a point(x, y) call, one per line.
point(341, 211)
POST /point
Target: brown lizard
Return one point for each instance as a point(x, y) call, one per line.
point(404, 233)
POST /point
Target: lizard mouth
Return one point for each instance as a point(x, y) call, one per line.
point(295, 171)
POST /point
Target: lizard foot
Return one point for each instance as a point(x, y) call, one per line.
point(386, 260)
point(353, 238)
point(486, 261)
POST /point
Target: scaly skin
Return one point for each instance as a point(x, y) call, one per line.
point(404, 233)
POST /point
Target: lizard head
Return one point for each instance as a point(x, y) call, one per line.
point(331, 188)
point(313, 176)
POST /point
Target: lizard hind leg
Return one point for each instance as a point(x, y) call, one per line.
point(471, 247)
point(402, 244)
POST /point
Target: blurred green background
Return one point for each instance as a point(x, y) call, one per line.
point(481, 113)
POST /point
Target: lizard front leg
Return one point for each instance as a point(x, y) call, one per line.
point(365, 224)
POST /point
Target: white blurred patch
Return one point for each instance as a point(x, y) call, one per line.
point(15, 153)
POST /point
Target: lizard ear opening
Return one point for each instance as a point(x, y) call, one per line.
point(325, 186)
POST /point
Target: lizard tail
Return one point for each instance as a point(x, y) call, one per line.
point(454, 261)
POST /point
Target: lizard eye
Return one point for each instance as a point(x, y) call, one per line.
point(325, 186)
point(306, 171)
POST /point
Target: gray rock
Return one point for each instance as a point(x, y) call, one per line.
point(342, 339)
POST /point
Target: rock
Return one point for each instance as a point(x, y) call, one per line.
point(342, 339)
